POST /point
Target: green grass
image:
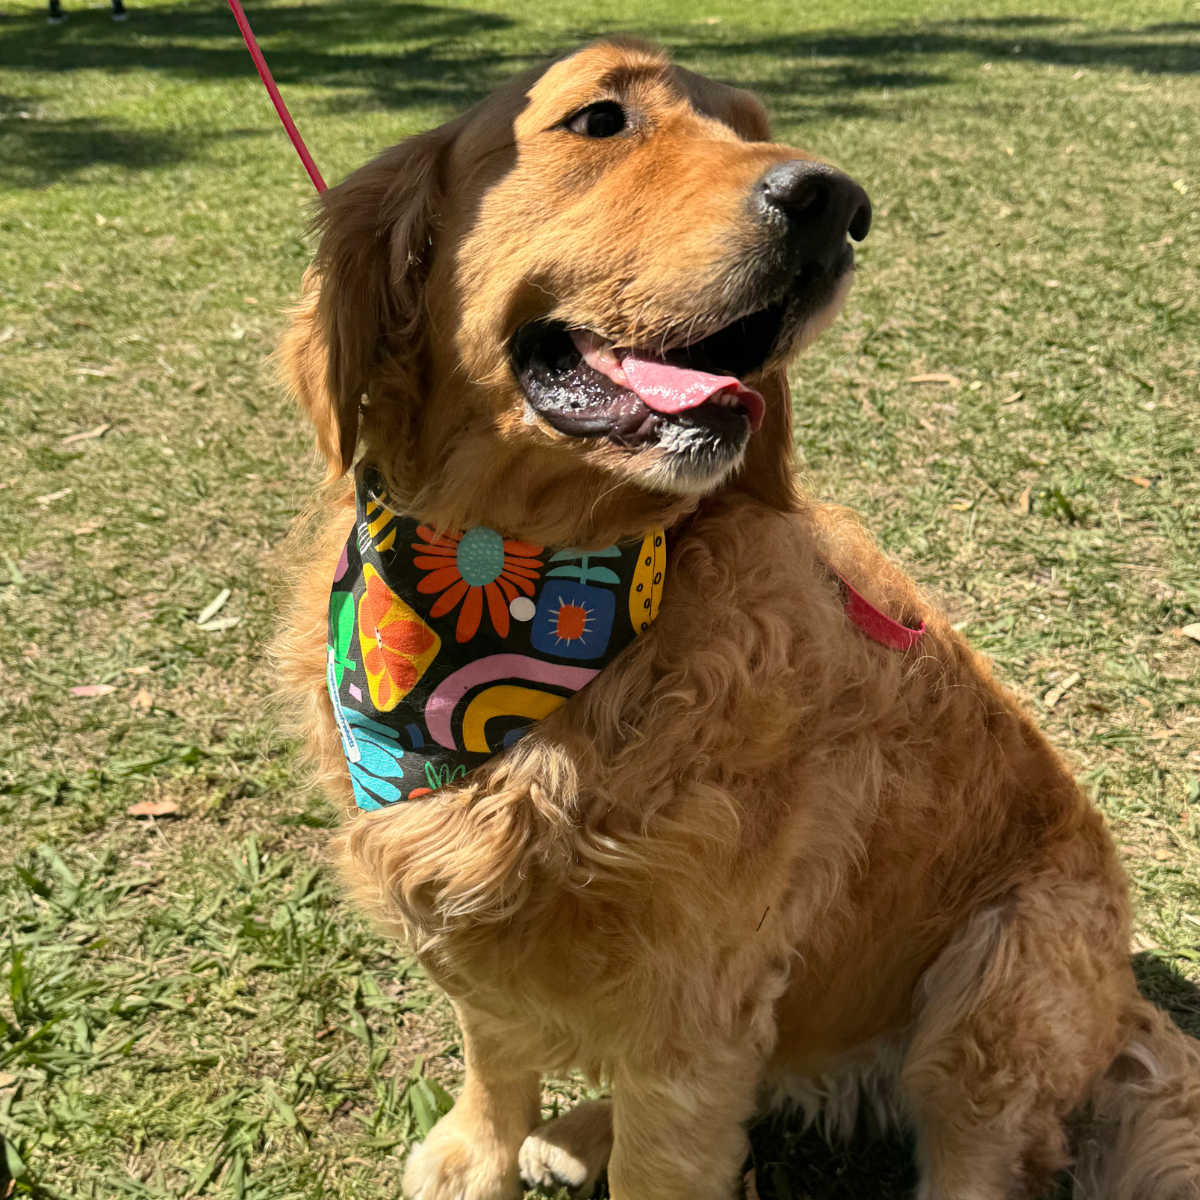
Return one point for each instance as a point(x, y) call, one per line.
point(192, 1009)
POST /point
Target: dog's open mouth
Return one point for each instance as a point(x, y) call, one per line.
point(586, 386)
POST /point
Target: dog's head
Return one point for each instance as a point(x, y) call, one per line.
point(588, 285)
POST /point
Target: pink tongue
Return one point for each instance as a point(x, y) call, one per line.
point(668, 389)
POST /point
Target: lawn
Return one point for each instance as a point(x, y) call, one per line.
point(191, 1008)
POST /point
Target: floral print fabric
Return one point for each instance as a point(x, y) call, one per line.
point(444, 646)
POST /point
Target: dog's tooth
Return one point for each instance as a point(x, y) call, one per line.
point(598, 354)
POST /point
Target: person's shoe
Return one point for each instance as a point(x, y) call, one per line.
point(57, 16)
point(119, 13)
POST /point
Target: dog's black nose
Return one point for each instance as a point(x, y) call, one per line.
point(821, 204)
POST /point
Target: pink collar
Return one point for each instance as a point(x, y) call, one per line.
point(878, 626)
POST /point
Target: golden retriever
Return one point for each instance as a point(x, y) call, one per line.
point(761, 857)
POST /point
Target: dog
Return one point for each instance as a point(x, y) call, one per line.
point(769, 854)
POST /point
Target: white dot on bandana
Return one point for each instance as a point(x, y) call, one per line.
point(522, 609)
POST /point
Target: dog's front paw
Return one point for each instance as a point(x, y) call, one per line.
point(571, 1151)
point(452, 1164)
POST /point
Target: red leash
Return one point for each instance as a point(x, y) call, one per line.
point(264, 74)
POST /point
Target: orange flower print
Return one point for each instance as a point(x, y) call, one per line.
point(473, 567)
point(397, 646)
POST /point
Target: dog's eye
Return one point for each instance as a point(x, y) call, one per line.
point(598, 120)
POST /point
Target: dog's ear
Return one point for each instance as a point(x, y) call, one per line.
point(363, 297)
point(742, 111)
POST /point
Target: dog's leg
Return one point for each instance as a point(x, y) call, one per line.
point(683, 1138)
point(1019, 1014)
point(571, 1150)
point(471, 1153)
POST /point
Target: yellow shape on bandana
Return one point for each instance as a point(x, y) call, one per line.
point(645, 592)
point(504, 700)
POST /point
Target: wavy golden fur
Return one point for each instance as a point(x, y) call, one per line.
point(761, 856)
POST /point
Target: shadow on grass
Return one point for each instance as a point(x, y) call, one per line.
point(836, 64)
point(1161, 983)
point(399, 54)
point(371, 55)
point(36, 150)
point(794, 1165)
point(411, 53)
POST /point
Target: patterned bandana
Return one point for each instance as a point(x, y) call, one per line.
point(445, 647)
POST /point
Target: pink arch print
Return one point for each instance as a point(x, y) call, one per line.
point(439, 708)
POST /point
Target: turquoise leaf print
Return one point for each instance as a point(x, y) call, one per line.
point(378, 766)
point(583, 570)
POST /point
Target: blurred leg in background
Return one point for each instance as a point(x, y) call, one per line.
point(57, 16)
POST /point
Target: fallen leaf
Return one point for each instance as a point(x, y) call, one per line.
point(88, 527)
point(1025, 501)
point(250, 299)
point(49, 498)
point(7, 1080)
point(1056, 693)
point(935, 377)
point(153, 808)
point(1140, 480)
point(198, 386)
point(143, 701)
point(1144, 703)
point(142, 670)
point(219, 625)
point(210, 610)
point(962, 505)
point(1162, 855)
point(1161, 735)
point(1013, 398)
point(1191, 631)
point(93, 689)
point(1180, 187)
point(99, 431)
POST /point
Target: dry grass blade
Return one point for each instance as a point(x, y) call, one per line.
point(87, 436)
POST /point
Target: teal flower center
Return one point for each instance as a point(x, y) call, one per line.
point(480, 556)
